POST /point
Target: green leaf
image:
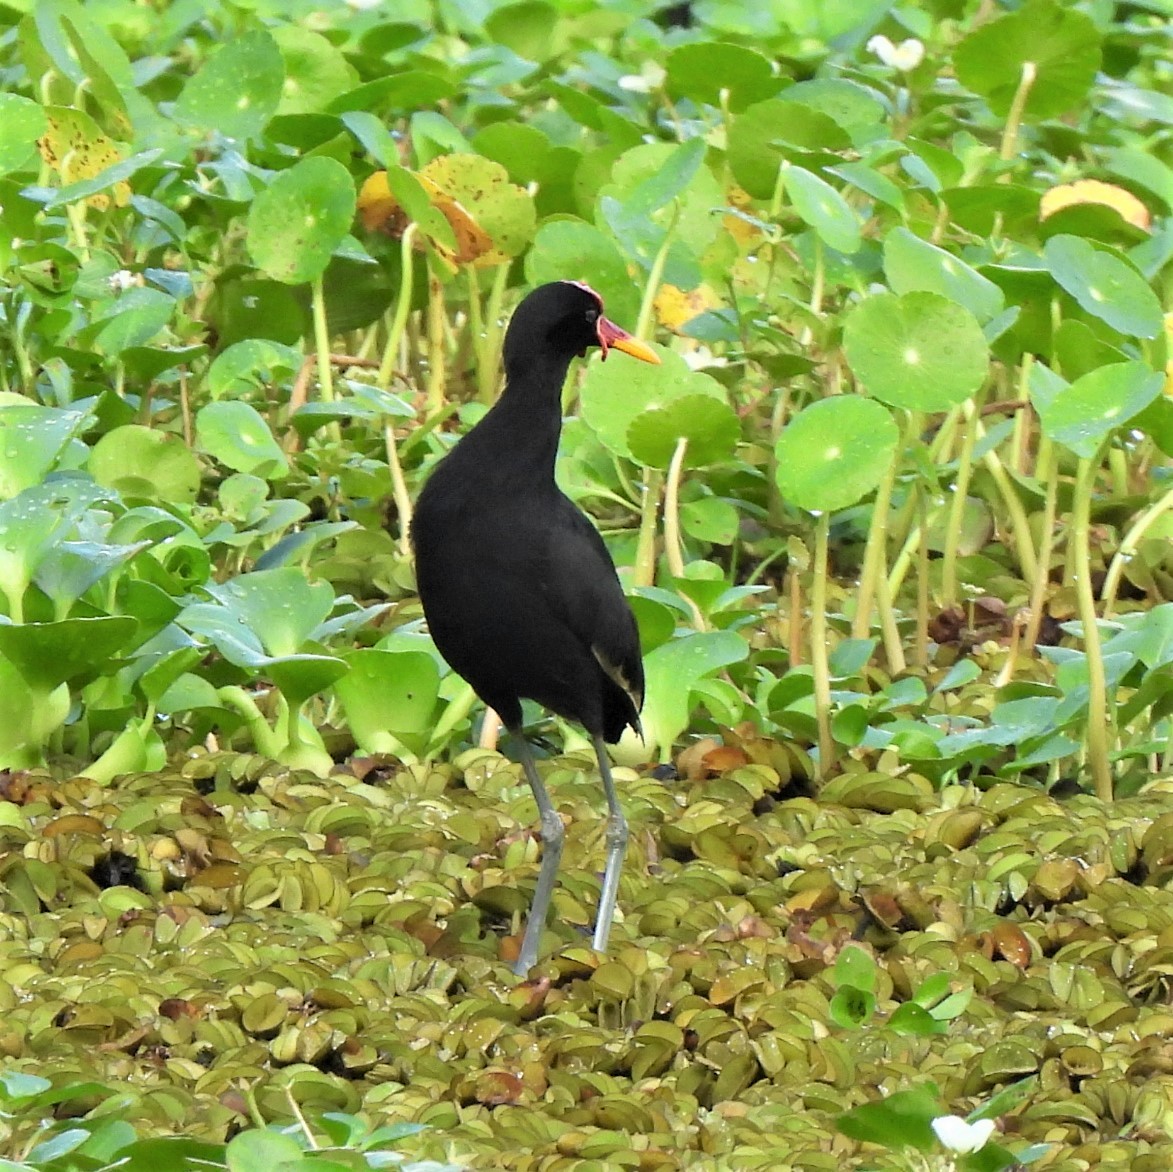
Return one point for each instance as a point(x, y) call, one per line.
point(1082, 414)
point(315, 71)
point(1062, 43)
point(1104, 285)
point(297, 222)
point(237, 90)
point(529, 28)
point(855, 966)
point(823, 208)
point(851, 1007)
point(768, 132)
point(912, 264)
point(140, 462)
point(49, 654)
point(32, 439)
point(918, 351)
point(262, 1151)
point(249, 365)
point(711, 520)
point(706, 70)
point(709, 426)
point(670, 671)
point(579, 251)
point(235, 434)
point(614, 392)
point(903, 1119)
point(389, 696)
point(22, 122)
point(834, 452)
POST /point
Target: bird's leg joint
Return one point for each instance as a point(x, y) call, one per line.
point(616, 832)
point(551, 830)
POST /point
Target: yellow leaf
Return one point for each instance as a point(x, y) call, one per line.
point(1130, 208)
point(675, 308)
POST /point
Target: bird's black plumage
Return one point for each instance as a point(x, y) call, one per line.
point(520, 593)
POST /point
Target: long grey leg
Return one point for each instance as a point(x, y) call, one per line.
point(551, 835)
point(616, 849)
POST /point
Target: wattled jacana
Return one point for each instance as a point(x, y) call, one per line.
point(520, 594)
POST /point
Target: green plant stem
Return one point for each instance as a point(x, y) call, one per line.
point(643, 324)
point(489, 351)
point(673, 547)
point(893, 650)
point(1026, 80)
point(399, 489)
point(921, 652)
point(1097, 705)
point(1126, 551)
point(957, 511)
point(1042, 575)
point(820, 662)
point(402, 307)
point(437, 366)
point(652, 488)
point(1019, 522)
point(874, 555)
point(322, 340)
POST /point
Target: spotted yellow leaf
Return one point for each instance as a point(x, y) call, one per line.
point(76, 149)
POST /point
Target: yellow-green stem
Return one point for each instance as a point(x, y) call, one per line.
point(1128, 547)
point(489, 353)
point(820, 663)
point(322, 340)
point(1042, 575)
point(957, 512)
point(875, 552)
point(1097, 699)
point(652, 487)
point(673, 547)
point(437, 366)
point(643, 324)
point(1026, 80)
point(399, 489)
point(402, 307)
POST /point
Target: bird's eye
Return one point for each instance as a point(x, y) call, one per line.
point(592, 316)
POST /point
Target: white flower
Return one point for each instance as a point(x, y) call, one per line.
point(906, 56)
point(649, 78)
point(961, 1137)
point(122, 280)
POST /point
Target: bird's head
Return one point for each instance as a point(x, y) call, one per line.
point(565, 318)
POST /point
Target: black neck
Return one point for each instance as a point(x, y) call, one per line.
point(520, 434)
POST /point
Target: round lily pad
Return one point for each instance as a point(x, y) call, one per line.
point(236, 435)
point(1062, 43)
point(1104, 285)
point(702, 70)
point(1082, 414)
point(834, 452)
point(315, 71)
point(919, 351)
point(616, 391)
point(238, 88)
point(141, 462)
point(911, 264)
point(709, 425)
point(298, 221)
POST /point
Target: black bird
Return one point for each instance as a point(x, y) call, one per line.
point(519, 591)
